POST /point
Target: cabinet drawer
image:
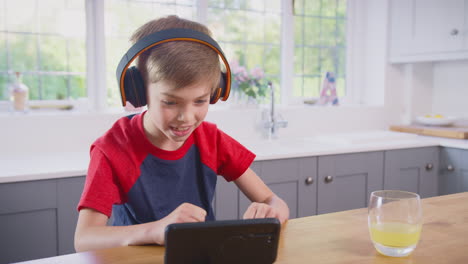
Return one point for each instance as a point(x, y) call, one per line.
point(27, 196)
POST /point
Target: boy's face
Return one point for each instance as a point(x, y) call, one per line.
point(173, 114)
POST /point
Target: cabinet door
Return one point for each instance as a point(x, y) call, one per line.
point(464, 171)
point(453, 175)
point(427, 30)
point(438, 25)
point(28, 220)
point(294, 180)
point(69, 193)
point(346, 180)
point(413, 170)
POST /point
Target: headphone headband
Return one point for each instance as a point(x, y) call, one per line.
point(175, 34)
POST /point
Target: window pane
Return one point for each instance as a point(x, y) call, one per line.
point(272, 29)
point(234, 30)
point(50, 14)
point(77, 55)
point(299, 60)
point(254, 55)
point(341, 71)
point(54, 87)
point(250, 33)
point(322, 44)
point(4, 93)
point(312, 31)
point(329, 8)
point(311, 86)
point(256, 27)
point(32, 82)
point(272, 63)
point(79, 83)
point(340, 86)
point(311, 61)
point(45, 41)
point(341, 9)
point(298, 7)
point(257, 5)
point(273, 6)
point(312, 7)
point(298, 84)
point(18, 18)
point(216, 3)
point(23, 52)
point(53, 54)
point(298, 29)
point(3, 54)
point(122, 18)
point(329, 32)
point(341, 33)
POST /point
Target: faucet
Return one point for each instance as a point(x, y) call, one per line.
point(274, 122)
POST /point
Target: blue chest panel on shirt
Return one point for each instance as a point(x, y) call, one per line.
point(164, 185)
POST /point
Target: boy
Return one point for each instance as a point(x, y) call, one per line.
point(160, 167)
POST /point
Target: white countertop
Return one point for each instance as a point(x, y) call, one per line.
point(71, 164)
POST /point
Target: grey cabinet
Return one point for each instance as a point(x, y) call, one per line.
point(453, 172)
point(345, 181)
point(310, 185)
point(414, 170)
point(294, 180)
point(38, 218)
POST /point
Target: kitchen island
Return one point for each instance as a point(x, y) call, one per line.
point(332, 238)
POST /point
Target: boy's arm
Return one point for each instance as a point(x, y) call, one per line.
point(265, 202)
point(92, 233)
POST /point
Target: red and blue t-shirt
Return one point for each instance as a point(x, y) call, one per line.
point(138, 182)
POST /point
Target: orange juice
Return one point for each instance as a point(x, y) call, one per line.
point(395, 234)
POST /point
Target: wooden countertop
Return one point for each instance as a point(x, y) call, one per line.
point(333, 238)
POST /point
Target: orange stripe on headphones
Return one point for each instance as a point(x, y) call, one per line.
point(228, 69)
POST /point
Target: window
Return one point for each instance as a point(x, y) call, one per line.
point(45, 42)
point(319, 34)
point(250, 33)
point(122, 18)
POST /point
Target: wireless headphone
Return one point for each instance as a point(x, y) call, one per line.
point(132, 87)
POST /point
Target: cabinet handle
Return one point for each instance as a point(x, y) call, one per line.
point(429, 166)
point(309, 180)
point(450, 168)
point(328, 179)
point(454, 32)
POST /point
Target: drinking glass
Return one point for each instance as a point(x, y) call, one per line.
point(395, 221)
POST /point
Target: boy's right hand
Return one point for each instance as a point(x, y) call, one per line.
point(184, 213)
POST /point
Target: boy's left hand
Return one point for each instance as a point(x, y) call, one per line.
point(262, 210)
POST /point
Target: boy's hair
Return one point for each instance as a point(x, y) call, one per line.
point(180, 63)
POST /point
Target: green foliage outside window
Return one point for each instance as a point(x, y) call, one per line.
point(54, 64)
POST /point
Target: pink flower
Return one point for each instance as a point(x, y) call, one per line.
point(257, 73)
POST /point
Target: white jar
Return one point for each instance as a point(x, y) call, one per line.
point(19, 94)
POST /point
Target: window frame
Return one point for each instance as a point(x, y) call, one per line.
point(96, 55)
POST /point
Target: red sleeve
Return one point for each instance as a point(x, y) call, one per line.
point(233, 158)
point(100, 191)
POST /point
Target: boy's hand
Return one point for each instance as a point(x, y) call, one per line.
point(185, 213)
point(262, 210)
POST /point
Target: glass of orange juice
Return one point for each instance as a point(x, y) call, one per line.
point(395, 221)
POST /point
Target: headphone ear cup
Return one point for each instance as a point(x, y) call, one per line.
point(222, 91)
point(134, 87)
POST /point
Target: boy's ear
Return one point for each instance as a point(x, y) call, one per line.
point(134, 87)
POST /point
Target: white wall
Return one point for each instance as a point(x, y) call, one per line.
point(450, 91)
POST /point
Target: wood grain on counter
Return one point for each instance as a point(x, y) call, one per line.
point(456, 132)
point(333, 238)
